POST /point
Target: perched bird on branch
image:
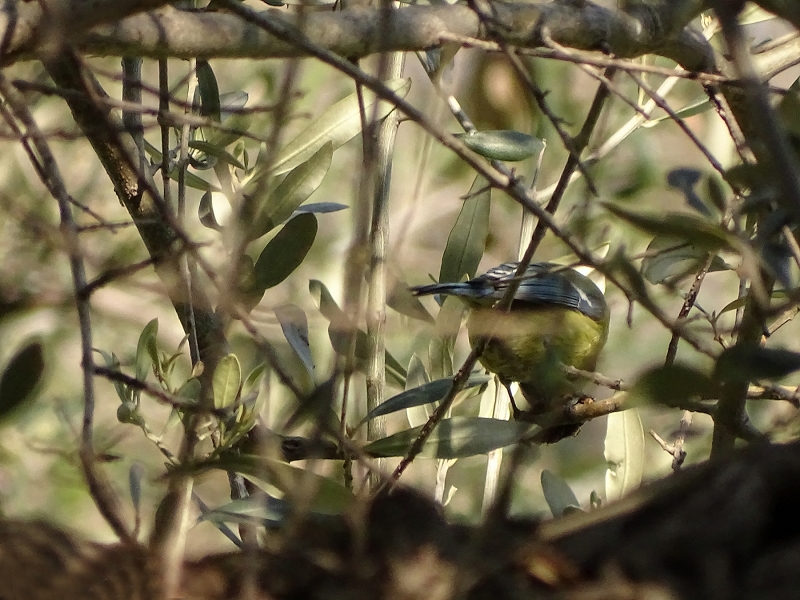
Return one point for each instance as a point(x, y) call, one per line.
point(558, 317)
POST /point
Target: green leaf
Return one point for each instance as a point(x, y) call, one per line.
point(21, 378)
point(424, 394)
point(234, 126)
point(670, 259)
point(689, 228)
point(217, 152)
point(294, 325)
point(285, 252)
point(403, 301)
point(112, 362)
point(559, 496)
point(253, 379)
point(744, 362)
point(467, 239)
point(417, 376)
point(502, 144)
point(209, 90)
point(338, 124)
point(325, 302)
point(193, 181)
point(624, 453)
point(330, 497)
point(672, 385)
point(440, 349)
point(690, 110)
point(205, 212)
point(458, 437)
point(147, 350)
point(225, 384)
point(290, 193)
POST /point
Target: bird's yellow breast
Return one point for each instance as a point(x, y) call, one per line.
point(529, 344)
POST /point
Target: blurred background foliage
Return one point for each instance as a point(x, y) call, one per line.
point(39, 472)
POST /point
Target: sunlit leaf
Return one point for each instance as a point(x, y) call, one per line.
point(624, 453)
point(227, 378)
point(338, 124)
point(403, 301)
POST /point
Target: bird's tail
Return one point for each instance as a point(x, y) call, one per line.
point(453, 289)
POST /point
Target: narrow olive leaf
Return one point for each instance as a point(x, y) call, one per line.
point(671, 385)
point(21, 378)
point(112, 362)
point(458, 437)
point(424, 394)
point(205, 212)
point(285, 252)
point(324, 301)
point(338, 124)
point(290, 193)
point(690, 228)
point(231, 129)
point(227, 378)
point(320, 207)
point(330, 496)
point(624, 453)
point(231, 102)
point(146, 349)
point(193, 181)
point(558, 495)
point(789, 108)
point(189, 390)
point(743, 363)
point(403, 301)
point(670, 259)
point(253, 379)
point(209, 90)
point(467, 239)
point(690, 110)
point(502, 144)
point(417, 376)
point(294, 325)
point(135, 476)
point(340, 341)
point(685, 179)
point(217, 152)
point(258, 508)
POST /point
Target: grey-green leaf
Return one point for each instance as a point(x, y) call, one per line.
point(671, 385)
point(743, 363)
point(669, 259)
point(457, 437)
point(502, 144)
point(209, 90)
point(290, 193)
point(467, 239)
point(338, 124)
point(424, 394)
point(21, 378)
point(146, 349)
point(559, 496)
point(294, 325)
point(285, 252)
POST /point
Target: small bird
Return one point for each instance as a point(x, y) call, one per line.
point(558, 317)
